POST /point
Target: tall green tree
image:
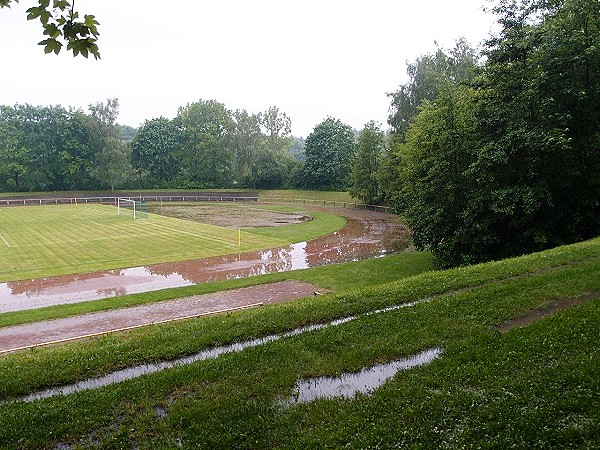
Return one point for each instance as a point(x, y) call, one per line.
point(511, 165)
point(154, 147)
point(364, 181)
point(113, 155)
point(207, 157)
point(540, 93)
point(426, 75)
point(437, 187)
point(113, 163)
point(277, 128)
point(272, 170)
point(50, 148)
point(14, 158)
point(76, 154)
point(388, 174)
point(246, 141)
point(329, 152)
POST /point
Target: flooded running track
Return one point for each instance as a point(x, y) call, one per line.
point(367, 235)
point(29, 335)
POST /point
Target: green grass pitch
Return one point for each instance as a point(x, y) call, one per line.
point(38, 241)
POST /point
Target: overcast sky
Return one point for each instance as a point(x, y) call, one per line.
point(311, 58)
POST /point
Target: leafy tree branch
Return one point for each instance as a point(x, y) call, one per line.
point(62, 26)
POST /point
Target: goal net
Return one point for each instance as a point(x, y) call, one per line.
point(127, 207)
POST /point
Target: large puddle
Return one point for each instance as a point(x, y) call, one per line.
point(367, 235)
point(349, 385)
point(146, 369)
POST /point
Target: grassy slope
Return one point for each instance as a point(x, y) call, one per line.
point(296, 194)
point(57, 240)
point(531, 387)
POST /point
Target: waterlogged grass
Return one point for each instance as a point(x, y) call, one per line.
point(38, 241)
point(536, 387)
point(322, 223)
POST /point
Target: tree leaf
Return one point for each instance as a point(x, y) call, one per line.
point(51, 45)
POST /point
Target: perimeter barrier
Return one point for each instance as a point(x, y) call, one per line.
point(106, 200)
point(113, 200)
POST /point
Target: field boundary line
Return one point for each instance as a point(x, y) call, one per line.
point(7, 244)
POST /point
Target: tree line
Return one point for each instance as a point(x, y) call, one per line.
point(52, 148)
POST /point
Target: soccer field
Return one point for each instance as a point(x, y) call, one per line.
point(38, 241)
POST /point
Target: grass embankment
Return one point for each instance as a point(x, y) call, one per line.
point(297, 194)
point(535, 387)
point(39, 241)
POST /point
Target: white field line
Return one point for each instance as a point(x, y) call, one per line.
point(7, 244)
point(214, 227)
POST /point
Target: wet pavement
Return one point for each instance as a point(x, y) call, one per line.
point(367, 234)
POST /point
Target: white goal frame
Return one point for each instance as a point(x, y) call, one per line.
point(125, 200)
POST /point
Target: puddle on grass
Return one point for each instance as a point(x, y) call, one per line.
point(350, 384)
point(146, 369)
point(367, 235)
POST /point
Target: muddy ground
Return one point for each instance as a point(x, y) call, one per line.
point(229, 216)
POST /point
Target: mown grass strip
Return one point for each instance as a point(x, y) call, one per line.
point(66, 239)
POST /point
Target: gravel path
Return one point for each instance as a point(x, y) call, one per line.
point(61, 330)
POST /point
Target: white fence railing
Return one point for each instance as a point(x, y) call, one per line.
point(186, 198)
point(113, 200)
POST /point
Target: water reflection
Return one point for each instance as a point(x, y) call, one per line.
point(350, 384)
point(366, 235)
point(41, 292)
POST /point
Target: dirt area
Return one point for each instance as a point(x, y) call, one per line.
point(556, 306)
point(229, 216)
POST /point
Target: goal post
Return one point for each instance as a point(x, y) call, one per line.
point(125, 204)
point(128, 206)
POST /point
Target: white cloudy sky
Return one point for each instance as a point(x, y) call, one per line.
point(310, 58)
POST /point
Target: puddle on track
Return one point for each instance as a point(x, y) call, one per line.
point(146, 369)
point(350, 384)
point(367, 235)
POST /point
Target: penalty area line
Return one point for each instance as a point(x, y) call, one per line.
point(7, 244)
